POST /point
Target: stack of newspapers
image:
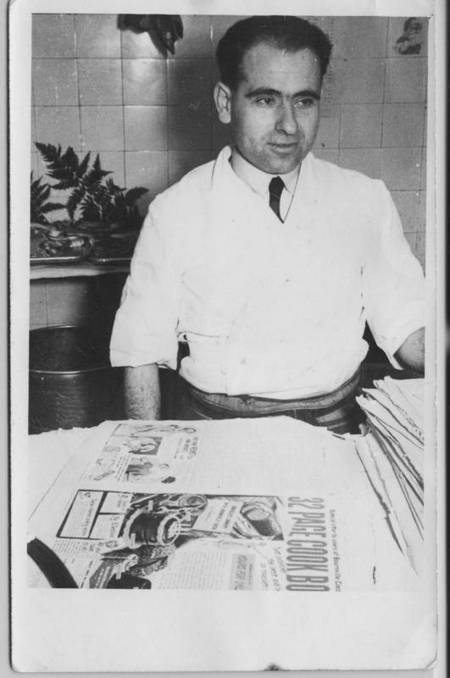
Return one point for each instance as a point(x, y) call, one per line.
point(392, 455)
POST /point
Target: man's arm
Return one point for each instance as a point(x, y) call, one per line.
point(142, 392)
point(412, 352)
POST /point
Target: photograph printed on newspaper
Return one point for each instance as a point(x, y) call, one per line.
point(192, 541)
point(145, 507)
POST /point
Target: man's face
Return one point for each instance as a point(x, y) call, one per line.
point(274, 111)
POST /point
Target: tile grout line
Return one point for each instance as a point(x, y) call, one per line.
point(400, 59)
point(211, 63)
point(383, 100)
point(122, 84)
point(166, 84)
point(80, 126)
point(350, 103)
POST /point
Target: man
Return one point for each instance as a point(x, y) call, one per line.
point(267, 261)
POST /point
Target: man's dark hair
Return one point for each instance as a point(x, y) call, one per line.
point(290, 33)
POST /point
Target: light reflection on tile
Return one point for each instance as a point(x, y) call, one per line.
point(102, 128)
point(138, 45)
point(97, 35)
point(148, 169)
point(58, 125)
point(100, 82)
point(196, 41)
point(145, 128)
point(53, 35)
point(144, 82)
point(55, 82)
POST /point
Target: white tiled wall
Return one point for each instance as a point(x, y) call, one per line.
point(151, 119)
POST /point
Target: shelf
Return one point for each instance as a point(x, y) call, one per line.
point(74, 270)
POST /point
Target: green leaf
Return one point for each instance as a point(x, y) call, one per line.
point(45, 192)
point(52, 206)
point(113, 187)
point(97, 164)
point(74, 200)
point(50, 153)
point(90, 210)
point(61, 173)
point(83, 165)
point(36, 189)
point(35, 183)
point(70, 159)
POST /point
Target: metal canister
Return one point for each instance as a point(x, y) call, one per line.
point(262, 519)
point(155, 528)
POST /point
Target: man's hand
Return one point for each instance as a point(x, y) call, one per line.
point(412, 352)
point(142, 392)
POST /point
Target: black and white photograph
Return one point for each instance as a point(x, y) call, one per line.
point(226, 335)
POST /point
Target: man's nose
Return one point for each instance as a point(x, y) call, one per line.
point(286, 121)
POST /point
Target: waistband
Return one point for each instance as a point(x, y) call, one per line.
point(244, 403)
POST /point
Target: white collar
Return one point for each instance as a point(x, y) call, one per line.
point(256, 178)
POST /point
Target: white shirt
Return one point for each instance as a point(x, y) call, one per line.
point(268, 308)
point(259, 181)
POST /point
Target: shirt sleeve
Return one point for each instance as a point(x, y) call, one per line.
point(144, 330)
point(393, 281)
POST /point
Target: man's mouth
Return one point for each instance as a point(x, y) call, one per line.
point(284, 147)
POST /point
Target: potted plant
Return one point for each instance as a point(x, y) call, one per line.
point(98, 211)
point(40, 205)
point(46, 238)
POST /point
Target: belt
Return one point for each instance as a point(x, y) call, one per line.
point(336, 410)
point(240, 403)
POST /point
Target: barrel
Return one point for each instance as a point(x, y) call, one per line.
point(71, 382)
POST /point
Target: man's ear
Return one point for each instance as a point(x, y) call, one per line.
point(222, 99)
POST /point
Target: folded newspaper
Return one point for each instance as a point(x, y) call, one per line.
point(392, 455)
point(265, 504)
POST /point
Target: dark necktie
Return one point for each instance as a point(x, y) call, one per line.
point(275, 190)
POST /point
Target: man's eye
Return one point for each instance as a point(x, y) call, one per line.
point(305, 103)
point(265, 101)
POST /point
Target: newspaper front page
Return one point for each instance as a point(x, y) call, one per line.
point(162, 505)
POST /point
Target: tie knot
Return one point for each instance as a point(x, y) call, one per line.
point(276, 186)
point(275, 189)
